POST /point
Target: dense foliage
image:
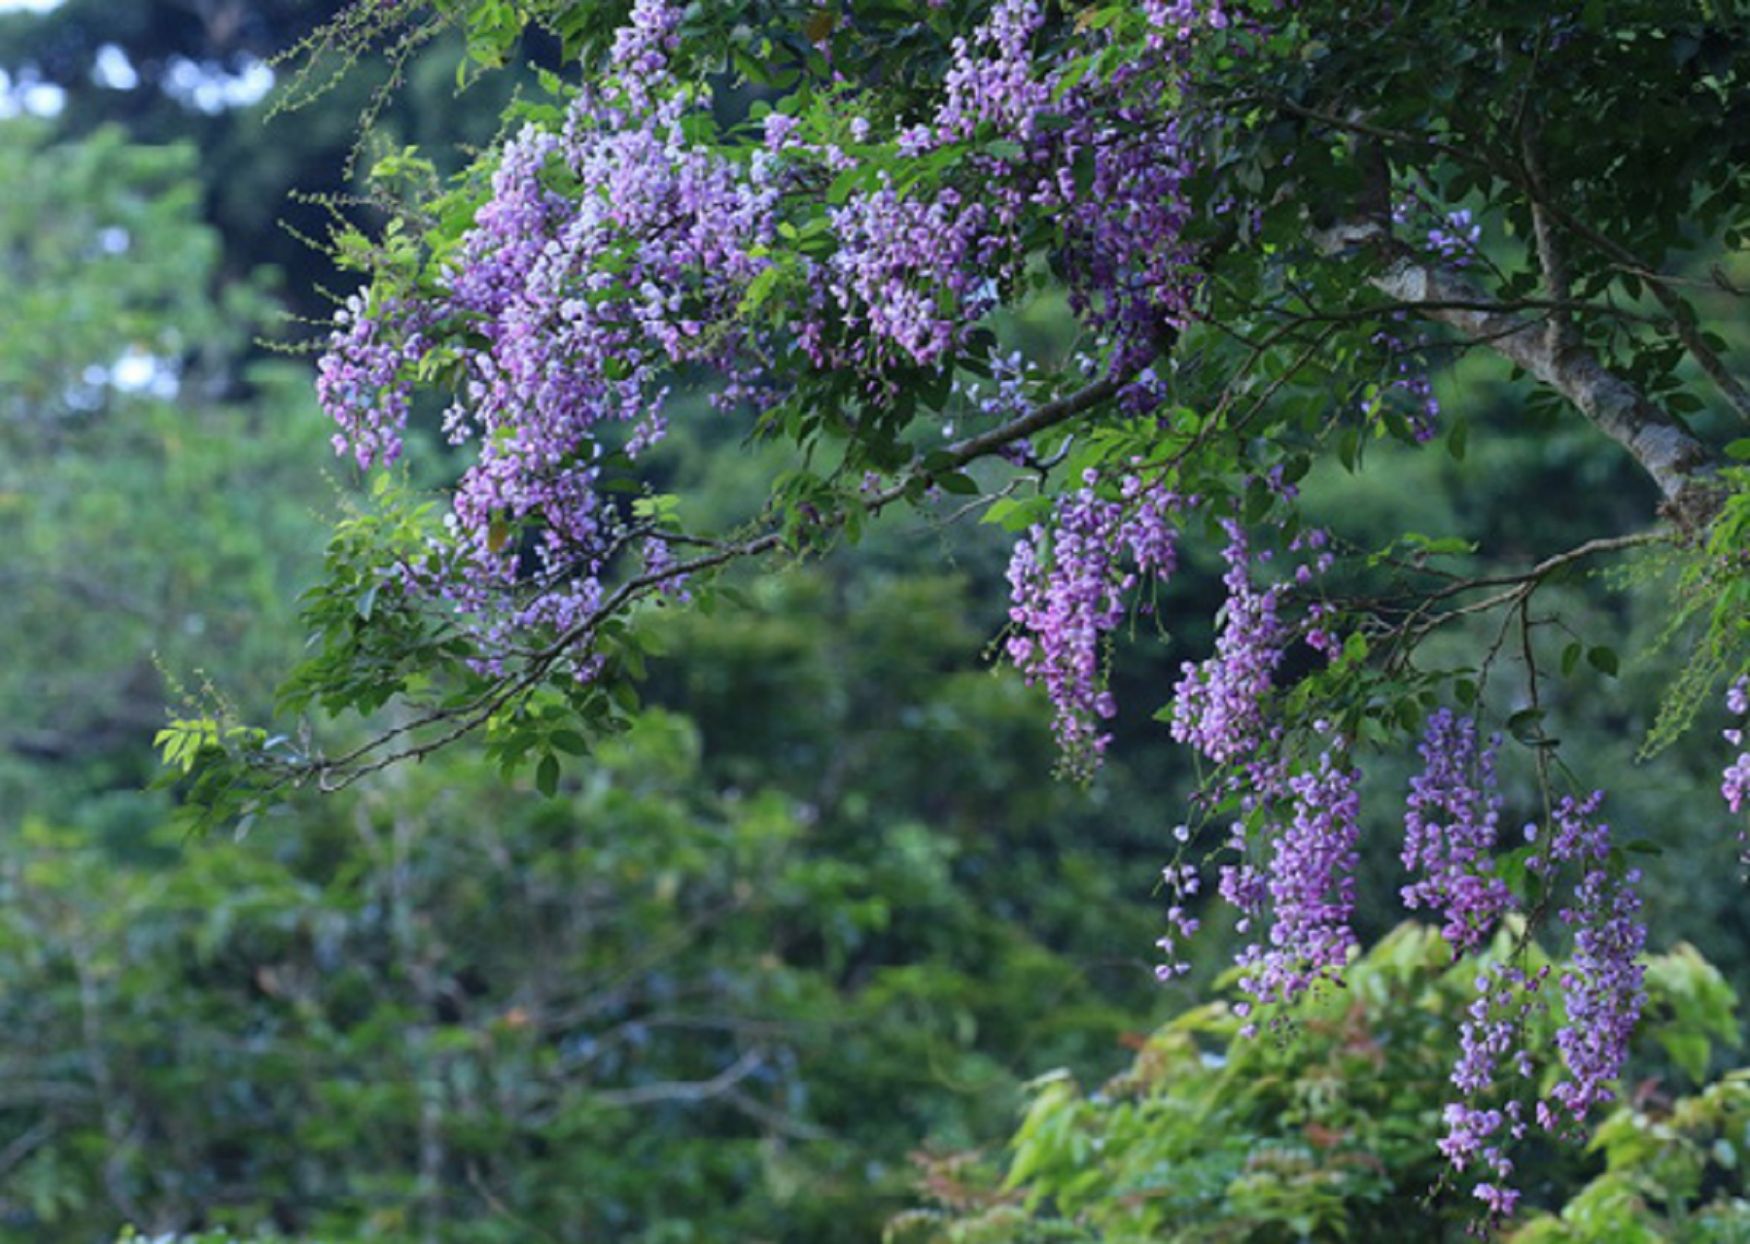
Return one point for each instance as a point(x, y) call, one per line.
point(152, 513)
point(1167, 294)
point(854, 954)
point(1212, 1136)
point(1240, 208)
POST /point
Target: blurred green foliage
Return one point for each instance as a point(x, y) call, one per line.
point(155, 500)
point(447, 1010)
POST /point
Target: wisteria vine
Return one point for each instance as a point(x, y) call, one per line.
point(628, 246)
point(626, 252)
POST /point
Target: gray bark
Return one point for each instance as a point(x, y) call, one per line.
point(1680, 465)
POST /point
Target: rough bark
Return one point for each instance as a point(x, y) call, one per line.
point(1679, 464)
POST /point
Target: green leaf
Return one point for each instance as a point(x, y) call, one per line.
point(1441, 546)
point(759, 289)
point(570, 742)
point(1458, 439)
point(547, 775)
point(1526, 725)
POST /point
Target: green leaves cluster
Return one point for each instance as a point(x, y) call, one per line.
point(1320, 1129)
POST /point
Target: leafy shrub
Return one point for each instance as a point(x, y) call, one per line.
point(1322, 1130)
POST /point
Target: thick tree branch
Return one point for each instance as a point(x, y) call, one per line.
point(1547, 213)
point(1046, 415)
point(1529, 182)
point(1680, 465)
point(1551, 258)
point(1683, 324)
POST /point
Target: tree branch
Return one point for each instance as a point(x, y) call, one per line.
point(1518, 588)
point(1550, 256)
point(1680, 465)
point(375, 753)
point(686, 1090)
point(1527, 181)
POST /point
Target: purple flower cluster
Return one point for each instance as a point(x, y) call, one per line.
point(362, 380)
point(906, 273)
point(1304, 892)
point(1182, 18)
point(1182, 883)
point(1309, 885)
point(1601, 991)
point(1294, 878)
point(1450, 826)
point(1601, 988)
point(915, 269)
point(1492, 1033)
point(1069, 583)
point(1218, 705)
point(992, 78)
point(1409, 379)
point(1456, 238)
point(580, 304)
point(1735, 781)
point(666, 230)
point(627, 245)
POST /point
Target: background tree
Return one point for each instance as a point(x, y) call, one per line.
point(149, 517)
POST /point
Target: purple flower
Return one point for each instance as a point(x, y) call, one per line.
point(1069, 585)
point(1308, 892)
point(1218, 705)
point(1735, 780)
point(1601, 986)
point(1450, 825)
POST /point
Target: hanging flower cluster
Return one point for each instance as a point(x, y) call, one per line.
point(627, 246)
point(1218, 706)
point(1492, 1041)
point(1069, 583)
point(1735, 781)
point(1293, 882)
point(1449, 832)
point(1600, 987)
point(363, 380)
point(1308, 890)
point(915, 270)
point(578, 306)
